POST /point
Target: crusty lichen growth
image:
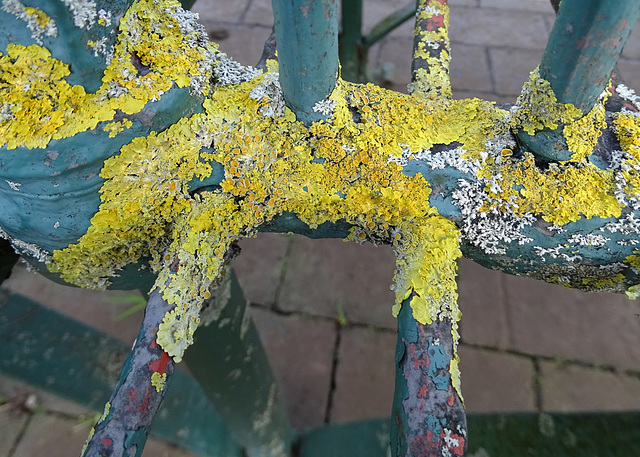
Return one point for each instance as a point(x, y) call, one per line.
point(349, 167)
point(432, 50)
point(158, 380)
point(42, 106)
point(538, 107)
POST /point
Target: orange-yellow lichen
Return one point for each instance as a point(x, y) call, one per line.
point(432, 78)
point(539, 107)
point(43, 106)
point(339, 169)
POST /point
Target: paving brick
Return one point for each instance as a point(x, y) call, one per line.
point(365, 375)
point(482, 301)
point(11, 425)
point(396, 52)
point(511, 68)
point(469, 68)
point(220, 11)
point(52, 436)
point(260, 12)
point(476, 26)
point(575, 388)
point(630, 71)
point(244, 43)
point(99, 309)
point(300, 351)
point(496, 382)
point(374, 12)
point(324, 275)
point(554, 321)
point(538, 6)
point(46, 400)
point(259, 266)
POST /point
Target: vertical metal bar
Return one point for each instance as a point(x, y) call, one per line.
point(431, 50)
point(228, 361)
point(307, 36)
point(428, 418)
point(351, 43)
point(583, 49)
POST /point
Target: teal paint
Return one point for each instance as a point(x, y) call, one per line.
point(584, 46)
point(352, 54)
point(87, 68)
point(367, 438)
point(438, 369)
point(407, 333)
point(427, 414)
point(59, 184)
point(307, 37)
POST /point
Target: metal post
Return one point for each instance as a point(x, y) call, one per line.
point(307, 36)
point(428, 418)
point(351, 45)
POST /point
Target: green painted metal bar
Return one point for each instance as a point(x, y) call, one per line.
point(595, 434)
point(67, 358)
point(388, 24)
point(368, 438)
point(352, 55)
point(583, 49)
point(228, 361)
point(307, 36)
point(428, 417)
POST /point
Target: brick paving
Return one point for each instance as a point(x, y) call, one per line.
point(322, 307)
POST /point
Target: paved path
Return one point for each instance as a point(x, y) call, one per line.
point(526, 346)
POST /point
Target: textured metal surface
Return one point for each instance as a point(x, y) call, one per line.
point(307, 35)
point(428, 417)
point(583, 49)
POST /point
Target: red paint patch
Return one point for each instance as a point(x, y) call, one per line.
point(435, 23)
point(132, 395)
point(160, 365)
point(145, 402)
point(107, 441)
point(451, 400)
point(423, 392)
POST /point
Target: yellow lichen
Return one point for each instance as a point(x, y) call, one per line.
point(582, 135)
point(431, 79)
point(158, 381)
point(539, 107)
point(44, 106)
point(341, 169)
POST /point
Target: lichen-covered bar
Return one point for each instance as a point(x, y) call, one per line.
point(141, 150)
